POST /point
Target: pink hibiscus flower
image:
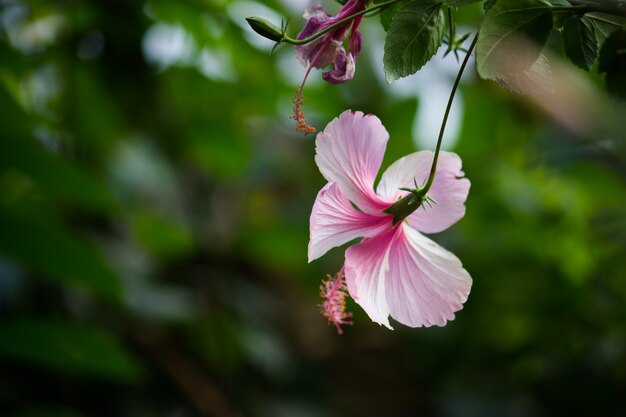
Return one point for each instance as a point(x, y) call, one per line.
point(394, 270)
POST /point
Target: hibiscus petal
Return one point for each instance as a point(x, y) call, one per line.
point(317, 19)
point(403, 172)
point(349, 152)
point(355, 42)
point(425, 284)
point(366, 266)
point(343, 68)
point(334, 221)
point(449, 190)
point(316, 12)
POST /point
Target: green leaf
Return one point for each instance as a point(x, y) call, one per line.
point(488, 5)
point(56, 177)
point(387, 14)
point(459, 3)
point(615, 7)
point(510, 42)
point(415, 34)
point(42, 245)
point(161, 236)
point(612, 62)
point(604, 25)
point(66, 347)
point(536, 80)
point(580, 42)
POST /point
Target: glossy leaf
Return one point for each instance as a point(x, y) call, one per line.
point(603, 25)
point(612, 62)
point(580, 42)
point(459, 3)
point(509, 44)
point(536, 80)
point(387, 14)
point(615, 7)
point(414, 36)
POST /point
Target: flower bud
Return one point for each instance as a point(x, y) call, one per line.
point(265, 28)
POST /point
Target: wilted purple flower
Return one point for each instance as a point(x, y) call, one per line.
point(328, 49)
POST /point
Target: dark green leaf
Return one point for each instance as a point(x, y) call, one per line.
point(536, 80)
point(580, 42)
point(459, 3)
point(510, 42)
point(615, 7)
point(66, 347)
point(160, 235)
point(415, 34)
point(40, 244)
point(60, 179)
point(603, 25)
point(488, 5)
point(46, 412)
point(387, 14)
point(612, 62)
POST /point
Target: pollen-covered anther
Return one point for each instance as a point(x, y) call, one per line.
point(298, 115)
point(333, 291)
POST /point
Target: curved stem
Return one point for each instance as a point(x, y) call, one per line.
point(614, 8)
point(450, 27)
point(433, 168)
point(337, 24)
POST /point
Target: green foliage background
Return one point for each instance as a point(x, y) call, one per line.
point(154, 229)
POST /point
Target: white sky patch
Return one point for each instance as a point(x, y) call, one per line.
point(293, 72)
point(31, 34)
point(165, 45)
point(296, 8)
point(216, 64)
point(431, 85)
point(433, 100)
point(239, 10)
point(41, 88)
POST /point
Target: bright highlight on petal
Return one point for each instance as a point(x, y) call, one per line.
point(448, 192)
point(425, 284)
point(334, 221)
point(394, 271)
point(366, 267)
point(349, 152)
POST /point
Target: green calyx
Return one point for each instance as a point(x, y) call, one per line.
point(404, 207)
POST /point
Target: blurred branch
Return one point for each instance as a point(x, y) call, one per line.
point(205, 394)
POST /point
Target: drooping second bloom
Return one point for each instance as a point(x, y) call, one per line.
point(328, 49)
point(394, 270)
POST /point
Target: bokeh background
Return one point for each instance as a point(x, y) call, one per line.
point(154, 205)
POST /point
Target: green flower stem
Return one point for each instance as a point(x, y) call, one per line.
point(450, 27)
point(337, 24)
point(613, 8)
point(433, 168)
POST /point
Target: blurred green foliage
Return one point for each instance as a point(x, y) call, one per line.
point(154, 204)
